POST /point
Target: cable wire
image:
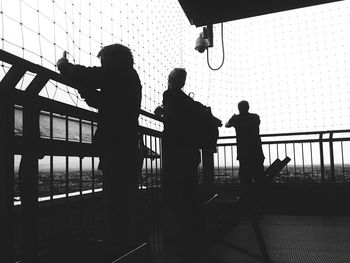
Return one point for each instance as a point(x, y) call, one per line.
point(223, 51)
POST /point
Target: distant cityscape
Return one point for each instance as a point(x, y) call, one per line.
point(59, 183)
point(291, 174)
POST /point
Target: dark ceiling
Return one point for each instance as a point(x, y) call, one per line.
point(204, 12)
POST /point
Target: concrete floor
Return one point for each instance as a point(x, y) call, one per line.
point(289, 239)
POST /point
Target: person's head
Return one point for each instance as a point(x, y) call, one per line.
point(243, 107)
point(116, 55)
point(177, 78)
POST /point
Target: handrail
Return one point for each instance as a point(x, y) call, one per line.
point(31, 146)
point(293, 141)
point(293, 133)
point(29, 66)
point(49, 74)
point(321, 158)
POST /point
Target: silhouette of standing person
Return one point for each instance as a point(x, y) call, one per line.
point(115, 90)
point(249, 149)
point(181, 158)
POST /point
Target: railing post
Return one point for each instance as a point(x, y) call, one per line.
point(6, 177)
point(322, 159)
point(331, 156)
point(7, 124)
point(208, 168)
point(29, 174)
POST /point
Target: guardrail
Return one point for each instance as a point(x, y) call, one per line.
point(317, 157)
point(46, 155)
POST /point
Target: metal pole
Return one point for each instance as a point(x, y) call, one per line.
point(6, 178)
point(29, 173)
point(322, 160)
point(7, 120)
point(331, 156)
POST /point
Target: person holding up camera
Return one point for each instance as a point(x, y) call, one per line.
point(115, 90)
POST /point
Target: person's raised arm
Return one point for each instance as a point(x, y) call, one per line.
point(82, 78)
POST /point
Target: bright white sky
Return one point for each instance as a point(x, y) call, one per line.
point(291, 66)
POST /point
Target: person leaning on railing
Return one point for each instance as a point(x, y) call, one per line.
point(249, 148)
point(115, 90)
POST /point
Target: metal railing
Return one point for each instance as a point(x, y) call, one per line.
point(317, 157)
point(48, 166)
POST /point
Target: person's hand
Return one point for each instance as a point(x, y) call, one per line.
point(62, 63)
point(159, 111)
point(219, 123)
point(228, 124)
point(83, 93)
point(231, 121)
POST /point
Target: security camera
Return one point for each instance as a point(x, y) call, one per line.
point(201, 43)
point(205, 39)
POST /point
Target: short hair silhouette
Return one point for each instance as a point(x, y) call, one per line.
point(116, 54)
point(243, 106)
point(177, 78)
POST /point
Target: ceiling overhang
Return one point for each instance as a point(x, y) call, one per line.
point(204, 12)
